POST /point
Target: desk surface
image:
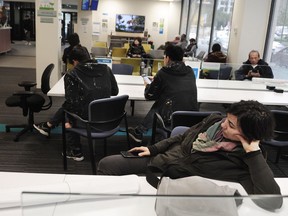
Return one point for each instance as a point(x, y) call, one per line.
point(209, 91)
point(13, 184)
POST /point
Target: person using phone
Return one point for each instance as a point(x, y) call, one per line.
point(174, 84)
point(220, 147)
point(254, 67)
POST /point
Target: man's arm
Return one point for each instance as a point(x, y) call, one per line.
point(153, 90)
point(266, 71)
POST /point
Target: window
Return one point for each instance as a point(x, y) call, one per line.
point(209, 24)
point(279, 55)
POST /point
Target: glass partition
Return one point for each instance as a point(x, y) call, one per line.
point(233, 71)
point(46, 204)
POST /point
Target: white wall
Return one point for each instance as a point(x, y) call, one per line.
point(152, 10)
point(249, 27)
point(48, 44)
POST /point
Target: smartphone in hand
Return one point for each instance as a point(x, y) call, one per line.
point(127, 154)
point(147, 80)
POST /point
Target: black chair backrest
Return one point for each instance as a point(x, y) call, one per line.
point(107, 113)
point(124, 69)
point(189, 118)
point(281, 128)
point(223, 74)
point(45, 79)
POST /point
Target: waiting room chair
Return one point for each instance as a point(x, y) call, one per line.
point(119, 52)
point(178, 118)
point(155, 67)
point(280, 140)
point(30, 102)
point(147, 47)
point(104, 118)
point(100, 44)
point(135, 62)
point(125, 69)
point(99, 52)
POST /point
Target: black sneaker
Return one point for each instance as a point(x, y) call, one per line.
point(137, 137)
point(42, 128)
point(75, 155)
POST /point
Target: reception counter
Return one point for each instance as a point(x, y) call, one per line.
point(5, 42)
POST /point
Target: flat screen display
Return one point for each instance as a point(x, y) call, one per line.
point(85, 4)
point(94, 4)
point(130, 23)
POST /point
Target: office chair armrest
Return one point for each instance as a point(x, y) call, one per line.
point(27, 85)
point(24, 93)
point(76, 116)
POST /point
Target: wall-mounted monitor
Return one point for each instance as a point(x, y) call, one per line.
point(94, 4)
point(89, 4)
point(85, 4)
point(130, 23)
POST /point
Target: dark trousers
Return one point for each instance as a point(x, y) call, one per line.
point(73, 140)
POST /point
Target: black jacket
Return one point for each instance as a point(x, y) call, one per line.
point(263, 68)
point(177, 83)
point(136, 50)
point(88, 81)
point(249, 169)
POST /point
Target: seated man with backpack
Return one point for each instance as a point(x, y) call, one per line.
point(86, 82)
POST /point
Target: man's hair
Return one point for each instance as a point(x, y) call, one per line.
point(175, 53)
point(78, 53)
point(216, 47)
point(73, 39)
point(254, 51)
point(255, 120)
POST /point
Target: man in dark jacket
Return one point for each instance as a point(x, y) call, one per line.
point(173, 87)
point(86, 82)
point(254, 67)
point(219, 147)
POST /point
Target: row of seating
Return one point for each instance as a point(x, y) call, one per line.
point(107, 120)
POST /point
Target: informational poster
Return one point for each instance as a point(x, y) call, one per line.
point(96, 28)
point(104, 25)
point(155, 26)
point(47, 8)
point(161, 26)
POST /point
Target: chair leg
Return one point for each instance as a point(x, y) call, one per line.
point(92, 157)
point(105, 147)
point(132, 104)
point(278, 155)
point(127, 134)
point(26, 127)
point(154, 126)
point(64, 143)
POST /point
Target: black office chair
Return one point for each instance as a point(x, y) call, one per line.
point(124, 69)
point(178, 118)
point(281, 132)
point(30, 102)
point(104, 118)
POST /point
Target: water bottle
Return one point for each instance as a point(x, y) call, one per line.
point(159, 66)
point(142, 68)
point(149, 70)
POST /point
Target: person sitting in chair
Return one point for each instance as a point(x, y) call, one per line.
point(99, 83)
point(254, 67)
point(220, 147)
